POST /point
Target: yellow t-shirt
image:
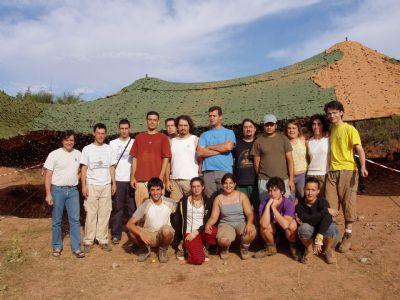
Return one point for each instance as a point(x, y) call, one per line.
point(343, 139)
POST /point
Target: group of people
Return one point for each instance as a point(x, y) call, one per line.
point(201, 194)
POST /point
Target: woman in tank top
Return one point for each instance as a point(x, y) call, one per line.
point(299, 145)
point(319, 150)
point(236, 216)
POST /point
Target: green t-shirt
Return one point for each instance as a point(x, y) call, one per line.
point(272, 152)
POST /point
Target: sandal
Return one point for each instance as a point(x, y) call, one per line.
point(78, 254)
point(57, 252)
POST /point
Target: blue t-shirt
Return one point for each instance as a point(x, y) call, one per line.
point(220, 162)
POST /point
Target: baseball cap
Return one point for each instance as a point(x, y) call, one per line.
point(269, 119)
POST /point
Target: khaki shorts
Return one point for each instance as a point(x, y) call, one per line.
point(341, 192)
point(179, 188)
point(141, 193)
point(231, 231)
point(155, 237)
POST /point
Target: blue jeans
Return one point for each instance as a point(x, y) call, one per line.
point(308, 232)
point(68, 197)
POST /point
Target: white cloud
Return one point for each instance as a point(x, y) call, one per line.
point(104, 45)
point(376, 24)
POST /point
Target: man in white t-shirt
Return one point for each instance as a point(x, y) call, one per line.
point(98, 184)
point(123, 198)
point(155, 214)
point(61, 180)
point(184, 160)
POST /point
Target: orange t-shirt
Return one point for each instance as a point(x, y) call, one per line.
point(149, 150)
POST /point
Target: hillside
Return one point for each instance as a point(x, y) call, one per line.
point(366, 81)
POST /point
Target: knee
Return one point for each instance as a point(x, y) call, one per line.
point(167, 233)
point(224, 242)
point(305, 231)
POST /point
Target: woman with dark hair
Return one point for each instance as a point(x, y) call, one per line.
point(236, 218)
point(193, 212)
point(299, 145)
point(318, 150)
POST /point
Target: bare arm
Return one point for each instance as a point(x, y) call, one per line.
point(283, 221)
point(247, 209)
point(204, 152)
point(83, 181)
point(113, 183)
point(133, 172)
point(222, 148)
point(290, 166)
point(47, 184)
point(361, 154)
point(214, 213)
point(266, 216)
point(165, 161)
point(256, 163)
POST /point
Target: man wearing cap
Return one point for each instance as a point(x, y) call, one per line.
point(272, 157)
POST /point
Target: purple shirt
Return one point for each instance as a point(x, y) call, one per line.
point(286, 208)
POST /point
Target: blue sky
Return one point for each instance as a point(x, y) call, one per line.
point(94, 48)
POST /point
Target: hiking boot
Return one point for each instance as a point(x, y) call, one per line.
point(329, 258)
point(224, 253)
point(105, 247)
point(180, 255)
point(271, 250)
point(306, 256)
point(162, 255)
point(345, 245)
point(294, 251)
point(115, 240)
point(244, 252)
point(261, 253)
point(86, 248)
point(144, 254)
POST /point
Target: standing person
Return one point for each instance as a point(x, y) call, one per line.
point(272, 154)
point(123, 198)
point(192, 215)
point(316, 226)
point(236, 218)
point(150, 154)
point(61, 181)
point(155, 214)
point(98, 185)
point(171, 128)
point(318, 150)
point(299, 146)
point(184, 161)
point(244, 167)
point(342, 179)
point(215, 146)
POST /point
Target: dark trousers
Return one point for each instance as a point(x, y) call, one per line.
point(122, 202)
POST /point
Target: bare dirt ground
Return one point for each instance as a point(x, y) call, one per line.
point(362, 67)
point(29, 271)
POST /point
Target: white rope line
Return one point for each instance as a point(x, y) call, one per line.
point(382, 166)
point(21, 170)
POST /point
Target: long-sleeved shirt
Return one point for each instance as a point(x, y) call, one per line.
point(316, 215)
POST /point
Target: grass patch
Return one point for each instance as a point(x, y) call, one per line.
point(14, 254)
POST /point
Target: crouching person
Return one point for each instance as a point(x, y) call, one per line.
point(277, 215)
point(154, 214)
point(316, 230)
point(192, 214)
point(236, 216)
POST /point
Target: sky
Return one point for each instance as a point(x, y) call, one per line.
point(94, 48)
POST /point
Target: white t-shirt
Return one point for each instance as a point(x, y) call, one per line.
point(98, 160)
point(318, 150)
point(123, 170)
point(183, 158)
point(65, 166)
point(195, 217)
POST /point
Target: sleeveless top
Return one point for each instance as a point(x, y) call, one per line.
point(299, 157)
point(194, 218)
point(232, 213)
point(184, 160)
point(319, 153)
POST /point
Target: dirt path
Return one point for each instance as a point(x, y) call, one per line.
point(377, 239)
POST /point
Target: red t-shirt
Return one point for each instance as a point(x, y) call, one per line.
point(149, 150)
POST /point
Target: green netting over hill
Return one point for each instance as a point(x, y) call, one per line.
point(286, 92)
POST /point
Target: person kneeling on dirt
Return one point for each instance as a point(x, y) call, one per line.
point(154, 214)
point(192, 213)
point(236, 218)
point(315, 219)
point(277, 215)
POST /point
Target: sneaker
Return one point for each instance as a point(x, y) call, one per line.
point(270, 250)
point(345, 245)
point(244, 252)
point(162, 255)
point(86, 248)
point(105, 247)
point(294, 251)
point(115, 240)
point(329, 258)
point(180, 255)
point(224, 253)
point(261, 253)
point(144, 255)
